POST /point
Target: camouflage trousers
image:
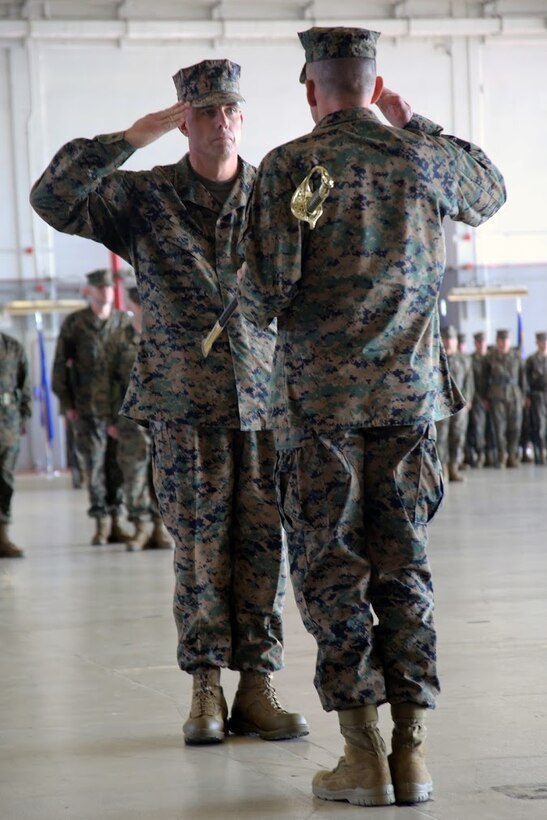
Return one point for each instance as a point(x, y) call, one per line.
point(216, 497)
point(476, 429)
point(451, 434)
point(507, 420)
point(104, 476)
point(10, 441)
point(538, 420)
point(135, 460)
point(355, 506)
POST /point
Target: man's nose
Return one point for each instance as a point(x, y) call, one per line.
point(222, 118)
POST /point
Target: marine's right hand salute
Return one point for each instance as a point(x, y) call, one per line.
point(152, 126)
point(396, 110)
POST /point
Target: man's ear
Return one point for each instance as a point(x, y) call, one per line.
point(310, 93)
point(183, 129)
point(378, 88)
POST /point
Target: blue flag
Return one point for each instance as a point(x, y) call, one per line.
point(46, 410)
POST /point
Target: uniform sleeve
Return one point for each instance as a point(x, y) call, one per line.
point(112, 357)
point(469, 386)
point(59, 378)
point(82, 193)
point(476, 186)
point(273, 264)
point(23, 386)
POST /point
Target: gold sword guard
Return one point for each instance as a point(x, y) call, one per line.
point(307, 203)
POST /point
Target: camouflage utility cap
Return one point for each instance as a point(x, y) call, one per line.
point(541, 336)
point(100, 278)
point(461, 338)
point(334, 43)
point(479, 336)
point(502, 334)
point(449, 332)
point(211, 82)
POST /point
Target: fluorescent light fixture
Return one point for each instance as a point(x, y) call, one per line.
point(473, 294)
point(26, 307)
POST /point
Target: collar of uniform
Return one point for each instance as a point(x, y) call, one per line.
point(190, 188)
point(346, 115)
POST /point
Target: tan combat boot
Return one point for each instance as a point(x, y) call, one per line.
point(160, 538)
point(411, 779)
point(7, 548)
point(118, 535)
point(454, 473)
point(513, 460)
point(362, 776)
point(102, 529)
point(208, 720)
point(139, 538)
point(257, 711)
point(502, 458)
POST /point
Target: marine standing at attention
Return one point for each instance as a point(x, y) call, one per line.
point(359, 380)
point(179, 227)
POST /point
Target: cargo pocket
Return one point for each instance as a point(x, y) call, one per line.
point(312, 484)
point(419, 479)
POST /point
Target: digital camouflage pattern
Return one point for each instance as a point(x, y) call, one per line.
point(15, 408)
point(356, 298)
point(134, 443)
point(451, 431)
point(216, 494)
point(355, 506)
point(80, 382)
point(326, 44)
point(504, 375)
point(99, 454)
point(478, 414)
point(536, 383)
point(79, 377)
point(359, 368)
point(183, 247)
point(100, 278)
point(210, 82)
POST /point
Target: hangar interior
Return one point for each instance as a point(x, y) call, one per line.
point(91, 699)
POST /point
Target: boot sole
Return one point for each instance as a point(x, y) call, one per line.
point(413, 792)
point(203, 741)
point(238, 727)
point(204, 737)
point(358, 797)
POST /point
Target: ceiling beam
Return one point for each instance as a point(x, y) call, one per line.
point(278, 30)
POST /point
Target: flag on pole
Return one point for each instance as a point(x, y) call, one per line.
point(46, 409)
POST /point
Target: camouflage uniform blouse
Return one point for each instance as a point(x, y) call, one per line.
point(15, 397)
point(79, 368)
point(504, 374)
point(183, 247)
point(358, 328)
point(120, 357)
point(478, 361)
point(459, 365)
point(536, 373)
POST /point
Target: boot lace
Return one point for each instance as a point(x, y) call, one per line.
point(205, 701)
point(271, 696)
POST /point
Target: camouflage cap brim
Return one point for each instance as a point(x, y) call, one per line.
point(217, 98)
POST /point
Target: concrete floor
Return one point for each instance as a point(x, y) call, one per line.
point(91, 701)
